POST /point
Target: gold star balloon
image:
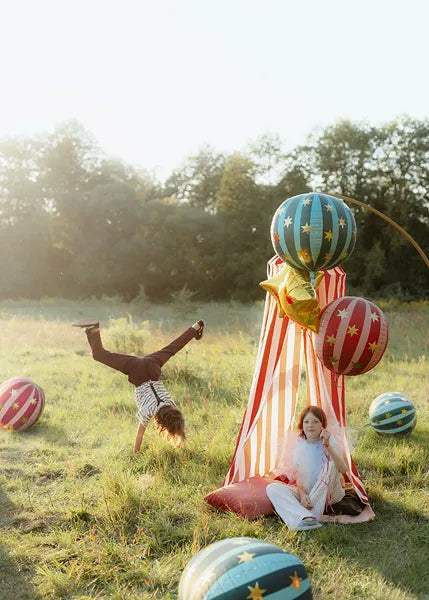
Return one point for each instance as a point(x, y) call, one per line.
point(295, 296)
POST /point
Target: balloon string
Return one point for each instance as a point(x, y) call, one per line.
point(389, 220)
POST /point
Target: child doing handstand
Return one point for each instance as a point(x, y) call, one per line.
point(316, 468)
point(152, 398)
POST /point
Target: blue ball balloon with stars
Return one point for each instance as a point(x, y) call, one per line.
point(392, 413)
point(313, 231)
point(238, 568)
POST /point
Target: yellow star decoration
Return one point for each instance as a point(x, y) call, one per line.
point(296, 581)
point(372, 346)
point(329, 207)
point(328, 235)
point(342, 314)
point(344, 254)
point(255, 592)
point(341, 222)
point(399, 422)
point(307, 201)
point(24, 419)
point(327, 256)
point(332, 359)
point(303, 254)
point(331, 340)
point(34, 401)
point(306, 228)
point(373, 317)
point(403, 411)
point(245, 557)
point(295, 296)
point(352, 330)
point(388, 415)
point(15, 405)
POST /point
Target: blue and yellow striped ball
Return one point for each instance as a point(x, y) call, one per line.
point(314, 232)
point(238, 568)
point(392, 413)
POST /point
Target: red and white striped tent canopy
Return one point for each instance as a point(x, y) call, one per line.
point(270, 414)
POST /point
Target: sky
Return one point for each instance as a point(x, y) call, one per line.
point(155, 80)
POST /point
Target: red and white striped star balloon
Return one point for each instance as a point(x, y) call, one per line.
point(21, 403)
point(352, 336)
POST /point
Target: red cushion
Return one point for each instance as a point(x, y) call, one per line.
point(247, 498)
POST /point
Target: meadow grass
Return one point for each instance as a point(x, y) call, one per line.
point(82, 518)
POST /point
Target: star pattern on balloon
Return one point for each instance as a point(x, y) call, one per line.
point(307, 201)
point(332, 359)
point(24, 419)
point(255, 592)
point(341, 222)
point(288, 221)
point(352, 330)
point(373, 346)
point(245, 557)
point(327, 256)
point(343, 314)
point(306, 228)
point(15, 405)
point(331, 340)
point(356, 365)
point(276, 238)
point(374, 316)
point(388, 415)
point(303, 254)
point(404, 411)
point(399, 422)
point(387, 402)
point(329, 207)
point(344, 254)
point(328, 235)
point(33, 402)
point(296, 581)
point(14, 393)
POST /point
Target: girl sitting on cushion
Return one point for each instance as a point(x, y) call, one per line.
point(316, 468)
point(152, 398)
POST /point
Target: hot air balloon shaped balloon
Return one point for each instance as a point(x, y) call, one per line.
point(237, 568)
point(313, 232)
point(392, 413)
point(352, 336)
point(21, 403)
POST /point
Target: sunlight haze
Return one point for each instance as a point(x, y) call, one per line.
point(155, 80)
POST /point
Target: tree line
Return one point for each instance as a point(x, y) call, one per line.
point(75, 223)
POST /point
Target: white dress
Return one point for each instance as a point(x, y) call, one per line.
point(315, 471)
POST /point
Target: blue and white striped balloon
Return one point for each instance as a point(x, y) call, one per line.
point(313, 231)
point(392, 413)
point(238, 568)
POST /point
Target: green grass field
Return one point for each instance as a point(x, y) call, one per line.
point(82, 518)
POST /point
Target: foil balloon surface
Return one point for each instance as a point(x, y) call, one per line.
point(295, 296)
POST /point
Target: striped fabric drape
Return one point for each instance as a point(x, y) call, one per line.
point(270, 414)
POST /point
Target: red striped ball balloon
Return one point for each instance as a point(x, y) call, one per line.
point(21, 403)
point(352, 336)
